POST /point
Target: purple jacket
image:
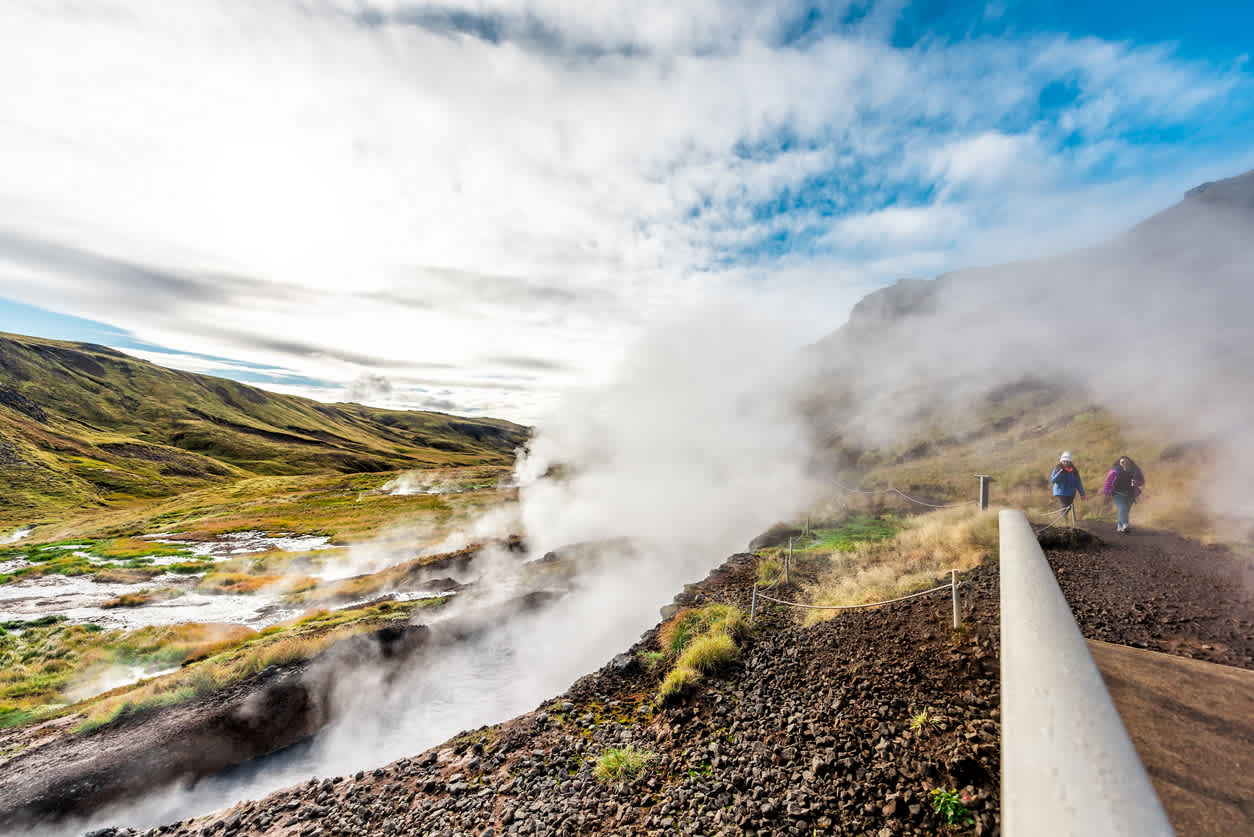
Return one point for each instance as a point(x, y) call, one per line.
point(1138, 480)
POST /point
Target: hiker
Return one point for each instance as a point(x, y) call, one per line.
point(1123, 485)
point(1067, 483)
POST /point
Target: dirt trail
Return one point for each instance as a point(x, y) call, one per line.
point(1156, 590)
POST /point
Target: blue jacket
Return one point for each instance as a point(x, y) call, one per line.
point(1067, 483)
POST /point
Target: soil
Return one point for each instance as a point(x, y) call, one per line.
point(1156, 590)
point(810, 733)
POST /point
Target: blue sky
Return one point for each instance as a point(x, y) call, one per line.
point(479, 206)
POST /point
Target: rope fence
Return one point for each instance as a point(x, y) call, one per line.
point(1057, 517)
point(899, 492)
point(1052, 520)
point(953, 585)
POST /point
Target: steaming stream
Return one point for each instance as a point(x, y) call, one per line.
point(508, 671)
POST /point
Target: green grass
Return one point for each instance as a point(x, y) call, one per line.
point(652, 660)
point(616, 764)
point(97, 431)
point(921, 721)
point(71, 557)
point(769, 571)
point(701, 641)
point(709, 653)
point(846, 536)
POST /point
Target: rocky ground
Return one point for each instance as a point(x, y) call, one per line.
point(809, 734)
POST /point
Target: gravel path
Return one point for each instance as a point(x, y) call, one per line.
point(1155, 590)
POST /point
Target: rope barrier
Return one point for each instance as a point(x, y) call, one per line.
point(1057, 517)
point(870, 491)
point(854, 607)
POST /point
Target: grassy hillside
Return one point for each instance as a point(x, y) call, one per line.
point(86, 427)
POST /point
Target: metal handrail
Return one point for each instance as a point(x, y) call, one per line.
point(1068, 766)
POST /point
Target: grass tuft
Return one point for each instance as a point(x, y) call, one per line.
point(701, 641)
point(616, 764)
point(709, 653)
point(769, 571)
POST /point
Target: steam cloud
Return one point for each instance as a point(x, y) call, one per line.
point(693, 450)
point(700, 444)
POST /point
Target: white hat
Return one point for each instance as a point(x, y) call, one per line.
point(1066, 456)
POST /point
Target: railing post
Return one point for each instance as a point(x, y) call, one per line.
point(753, 603)
point(1067, 765)
point(953, 580)
point(788, 565)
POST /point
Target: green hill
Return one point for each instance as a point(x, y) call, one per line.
point(84, 426)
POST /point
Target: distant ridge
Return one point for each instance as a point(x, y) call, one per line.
point(1183, 231)
point(84, 425)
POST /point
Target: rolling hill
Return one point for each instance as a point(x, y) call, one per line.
point(86, 426)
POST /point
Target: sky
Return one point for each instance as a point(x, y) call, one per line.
point(477, 207)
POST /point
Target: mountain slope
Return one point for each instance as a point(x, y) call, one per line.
point(1141, 342)
point(86, 425)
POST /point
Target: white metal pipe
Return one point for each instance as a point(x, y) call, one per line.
point(1068, 766)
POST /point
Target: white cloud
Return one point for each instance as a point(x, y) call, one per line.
point(897, 227)
point(399, 182)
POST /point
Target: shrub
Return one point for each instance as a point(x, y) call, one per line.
point(949, 806)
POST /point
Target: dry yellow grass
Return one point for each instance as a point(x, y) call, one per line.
point(929, 546)
point(235, 664)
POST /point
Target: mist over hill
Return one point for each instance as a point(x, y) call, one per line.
point(1153, 325)
point(84, 425)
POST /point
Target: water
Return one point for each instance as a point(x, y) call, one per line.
point(81, 599)
point(520, 662)
point(16, 535)
point(232, 544)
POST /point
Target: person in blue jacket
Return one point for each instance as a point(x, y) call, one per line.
point(1066, 481)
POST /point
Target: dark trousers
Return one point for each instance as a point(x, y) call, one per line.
point(1065, 500)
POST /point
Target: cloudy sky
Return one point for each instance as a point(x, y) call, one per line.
point(474, 206)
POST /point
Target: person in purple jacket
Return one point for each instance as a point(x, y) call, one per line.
point(1123, 485)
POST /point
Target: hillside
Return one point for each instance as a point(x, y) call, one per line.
point(1138, 344)
point(85, 426)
